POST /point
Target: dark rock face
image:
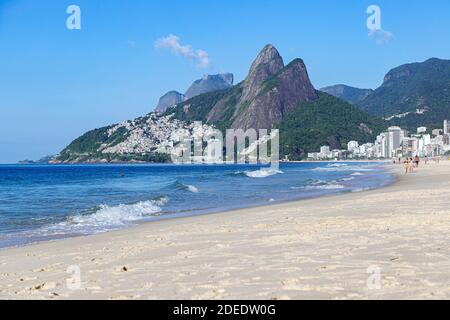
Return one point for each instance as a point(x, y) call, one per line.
point(210, 83)
point(269, 92)
point(350, 94)
point(267, 63)
point(170, 99)
point(277, 96)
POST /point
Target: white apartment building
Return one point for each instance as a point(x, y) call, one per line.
point(352, 146)
point(394, 143)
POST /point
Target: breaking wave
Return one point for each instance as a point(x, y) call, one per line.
point(336, 167)
point(313, 184)
point(104, 217)
point(186, 187)
point(262, 173)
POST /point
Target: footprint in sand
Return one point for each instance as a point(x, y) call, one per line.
point(44, 286)
point(23, 279)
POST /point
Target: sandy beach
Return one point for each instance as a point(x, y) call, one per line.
point(335, 247)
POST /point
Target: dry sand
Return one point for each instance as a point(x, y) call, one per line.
point(313, 249)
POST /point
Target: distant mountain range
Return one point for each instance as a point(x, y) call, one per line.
point(412, 95)
point(275, 95)
point(207, 84)
point(350, 94)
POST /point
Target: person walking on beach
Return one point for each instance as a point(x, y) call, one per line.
point(406, 165)
point(412, 165)
point(417, 161)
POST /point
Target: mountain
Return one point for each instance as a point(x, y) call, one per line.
point(350, 94)
point(143, 139)
point(273, 95)
point(169, 100)
point(270, 91)
point(325, 121)
point(210, 83)
point(416, 94)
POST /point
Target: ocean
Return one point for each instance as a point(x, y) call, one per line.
point(46, 202)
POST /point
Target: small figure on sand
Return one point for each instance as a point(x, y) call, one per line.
point(417, 161)
point(406, 165)
point(410, 164)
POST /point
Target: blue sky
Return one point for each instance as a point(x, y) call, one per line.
point(56, 83)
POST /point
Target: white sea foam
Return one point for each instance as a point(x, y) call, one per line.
point(321, 185)
point(192, 189)
point(108, 217)
point(357, 174)
point(337, 165)
point(186, 187)
point(262, 173)
point(342, 168)
point(331, 186)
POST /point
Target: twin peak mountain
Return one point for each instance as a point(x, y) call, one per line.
point(270, 91)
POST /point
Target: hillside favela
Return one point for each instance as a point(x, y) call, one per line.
point(188, 153)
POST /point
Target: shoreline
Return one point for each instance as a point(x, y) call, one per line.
point(291, 250)
point(171, 163)
point(393, 177)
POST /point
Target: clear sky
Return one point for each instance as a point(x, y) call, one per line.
point(57, 83)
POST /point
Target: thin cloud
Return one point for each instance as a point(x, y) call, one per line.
point(172, 43)
point(381, 36)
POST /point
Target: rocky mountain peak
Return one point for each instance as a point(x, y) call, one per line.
point(209, 83)
point(169, 100)
point(267, 63)
point(268, 57)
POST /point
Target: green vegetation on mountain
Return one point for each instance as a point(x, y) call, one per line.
point(88, 142)
point(325, 121)
point(99, 157)
point(412, 87)
point(198, 108)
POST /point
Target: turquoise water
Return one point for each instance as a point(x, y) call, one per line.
point(42, 202)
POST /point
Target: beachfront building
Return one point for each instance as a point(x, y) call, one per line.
point(396, 135)
point(325, 152)
point(421, 130)
point(384, 150)
point(394, 143)
point(353, 146)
